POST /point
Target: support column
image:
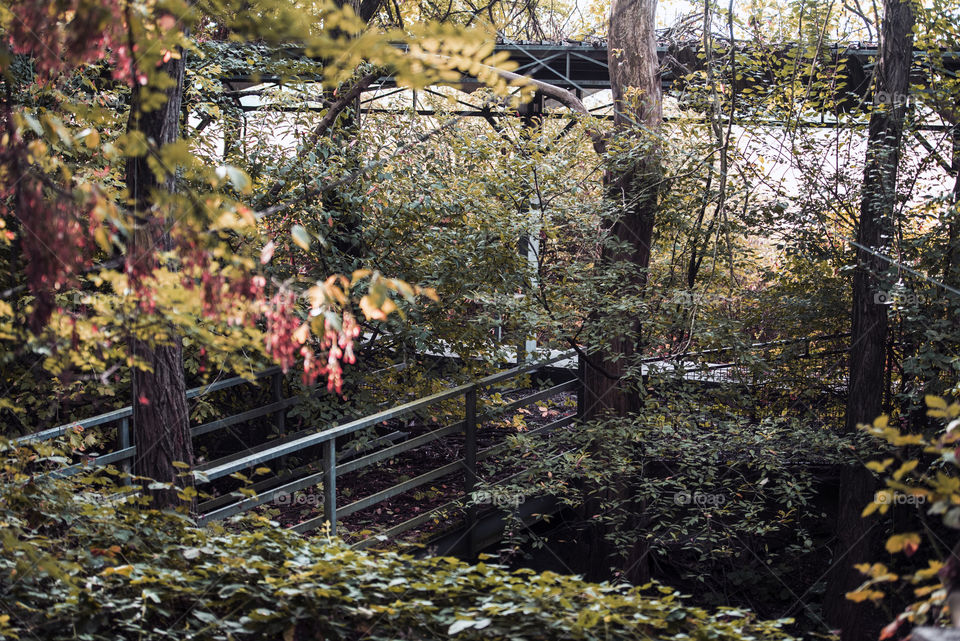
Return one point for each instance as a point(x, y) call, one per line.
point(531, 118)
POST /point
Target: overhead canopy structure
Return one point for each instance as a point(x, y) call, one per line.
point(843, 74)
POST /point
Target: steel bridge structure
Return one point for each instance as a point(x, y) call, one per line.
point(582, 68)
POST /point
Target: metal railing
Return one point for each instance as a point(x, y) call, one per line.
point(121, 417)
point(333, 466)
point(334, 463)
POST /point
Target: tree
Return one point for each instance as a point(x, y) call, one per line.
point(877, 214)
point(868, 349)
point(633, 187)
point(161, 420)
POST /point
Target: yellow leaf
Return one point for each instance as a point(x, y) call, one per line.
point(300, 237)
point(935, 402)
point(370, 310)
point(859, 596)
point(302, 333)
point(899, 542)
point(124, 570)
point(872, 507)
point(878, 466)
point(91, 138)
point(928, 573)
point(358, 275)
point(906, 467)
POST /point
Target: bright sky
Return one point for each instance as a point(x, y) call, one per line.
point(670, 11)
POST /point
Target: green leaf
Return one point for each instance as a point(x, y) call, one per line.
point(300, 237)
point(460, 625)
point(237, 177)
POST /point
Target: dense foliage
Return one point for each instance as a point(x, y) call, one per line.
point(82, 560)
point(729, 506)
point(301, 227)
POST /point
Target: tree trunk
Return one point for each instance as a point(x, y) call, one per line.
point(160, 417)
point(877, 210)
point(609, 387)
point(635, 84)
point(869, 337)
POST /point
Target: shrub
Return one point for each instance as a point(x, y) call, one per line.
point(83, 558)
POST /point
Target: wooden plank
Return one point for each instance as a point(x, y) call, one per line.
point(409, 524)
point(269, 496)
point(262, 486)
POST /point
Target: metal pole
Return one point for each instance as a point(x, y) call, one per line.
point(330, 484)
point(529, 244)
point(280, 416)
point(125, 437)
point(581, 387)
point(470, 462)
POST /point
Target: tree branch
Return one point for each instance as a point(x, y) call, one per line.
point(336, 108)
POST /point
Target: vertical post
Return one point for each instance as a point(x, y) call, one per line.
point(124, 444)
point(330, 484)
point(533, 260)
point(280, 416)
point(581, 387)
point(531, 120)
point(470, 462)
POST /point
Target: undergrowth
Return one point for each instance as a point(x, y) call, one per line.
point(83, 558)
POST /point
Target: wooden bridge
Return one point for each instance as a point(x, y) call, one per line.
point(326, 455)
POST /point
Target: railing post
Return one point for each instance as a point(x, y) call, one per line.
point(280, 416)
point(125, 442)
point(581, 387)
point(470, 462)
point(330, 484)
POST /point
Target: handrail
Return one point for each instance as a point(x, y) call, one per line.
point(752, 346)
point(329, 469)
point(127, 412)
point(213, 472)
